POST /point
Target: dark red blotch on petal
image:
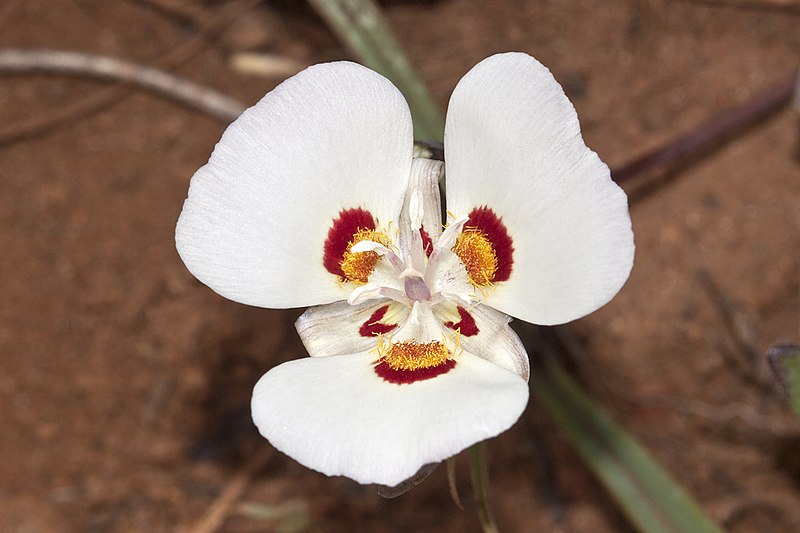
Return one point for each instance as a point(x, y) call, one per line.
point(401, 377)
point(341, 233)
point(466, 325)
point(427, 244)
point(372, 325)
point(484, 219)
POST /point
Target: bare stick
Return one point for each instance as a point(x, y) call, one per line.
point(219, 510)
point(103, 99)
point(452, 482)
point(182, 9)
point(784, 6)
point(207, 100)
point(713, 131)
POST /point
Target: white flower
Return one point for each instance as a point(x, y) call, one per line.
point(312, 198)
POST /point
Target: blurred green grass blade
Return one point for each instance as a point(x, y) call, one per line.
point(792, 368)
point(360, 24)
point(784, 362)
point(652, 501)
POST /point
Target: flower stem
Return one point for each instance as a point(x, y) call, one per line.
point(480, 486)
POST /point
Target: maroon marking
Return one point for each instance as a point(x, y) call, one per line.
point(373, 327)
point(485, 220)
point(401, 377)
point(340, 235)
point(427, 243)
point(466, 325)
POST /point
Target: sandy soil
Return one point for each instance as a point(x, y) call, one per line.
point(124, 383)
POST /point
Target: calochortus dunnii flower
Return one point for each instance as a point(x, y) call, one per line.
point(312, 197)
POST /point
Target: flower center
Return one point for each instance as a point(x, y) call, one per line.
point(477, 254)
point(357, 266)
point(412, 355)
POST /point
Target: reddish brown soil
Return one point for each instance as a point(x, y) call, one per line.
point(125, 383)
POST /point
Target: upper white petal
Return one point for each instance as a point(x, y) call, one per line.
point(513, 143)
point(333, 137)
point(335, 415)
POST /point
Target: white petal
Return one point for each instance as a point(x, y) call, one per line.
point(495, 341)
point(448, 275)
point(335, 415)
point(336, 136)
point(340, 328)
point(421, 325)
point(423, 204)
point(513, 143)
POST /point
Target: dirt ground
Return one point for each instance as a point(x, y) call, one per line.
point(125, 383)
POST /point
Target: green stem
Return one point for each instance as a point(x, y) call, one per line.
point(360, 24)
point(650, 498)
point(480, 486)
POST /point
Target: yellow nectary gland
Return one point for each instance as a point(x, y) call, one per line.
point(357, 266)
point(477, 254)
point(411, 355)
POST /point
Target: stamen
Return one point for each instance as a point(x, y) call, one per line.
point(411, 361)
point(348, 223)
point(485, 248)
point(412, 355)
point(357, 266)
point(475, 250)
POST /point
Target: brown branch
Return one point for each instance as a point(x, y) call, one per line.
point(711, 132)
point(182, 9)
point(108, 97)
point(218, 511)
point(791, 7)
point(181, 90)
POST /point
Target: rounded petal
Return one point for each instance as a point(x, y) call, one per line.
point(336, 416)
point(513, 144)
point(340, 328)
point(336, 136)
point(485, 332)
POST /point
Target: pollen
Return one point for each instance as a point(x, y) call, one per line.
point(358, 266)
point(477, 254)
point(412, 355)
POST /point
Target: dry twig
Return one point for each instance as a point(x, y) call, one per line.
point(103, 99)
point(265, 65)
point(186, 10)
point(712, 132)
point(785, 6)
point(219, 510)
point(208, 100)
point(743, 333)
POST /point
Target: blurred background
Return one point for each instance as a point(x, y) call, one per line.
point(125, 383)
